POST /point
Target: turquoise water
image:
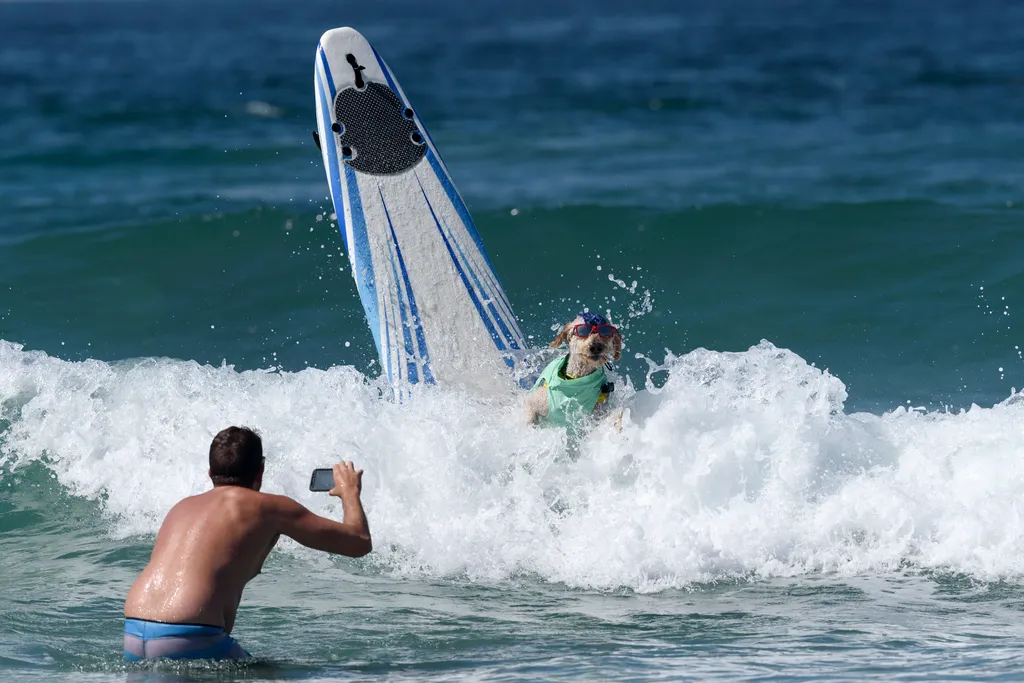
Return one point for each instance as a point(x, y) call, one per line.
point(806, 216)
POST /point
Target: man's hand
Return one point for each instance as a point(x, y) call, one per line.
point(347, 480)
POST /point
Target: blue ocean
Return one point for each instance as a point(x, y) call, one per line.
point(807, 217)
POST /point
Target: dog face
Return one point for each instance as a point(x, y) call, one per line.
point(593, 351)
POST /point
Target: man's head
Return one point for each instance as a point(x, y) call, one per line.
point(236, 458)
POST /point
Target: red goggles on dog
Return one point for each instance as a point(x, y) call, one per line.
point(584, 330)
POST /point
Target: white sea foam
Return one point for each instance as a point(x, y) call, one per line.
point(742, 464)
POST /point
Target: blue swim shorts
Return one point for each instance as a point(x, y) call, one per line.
point(156, 639)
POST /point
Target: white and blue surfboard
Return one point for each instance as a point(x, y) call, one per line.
point(434, 304)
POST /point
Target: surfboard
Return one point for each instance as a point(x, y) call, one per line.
point(432, 299)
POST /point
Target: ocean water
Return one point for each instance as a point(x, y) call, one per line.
point(806, 217)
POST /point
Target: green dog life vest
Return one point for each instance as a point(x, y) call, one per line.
point(569, 399)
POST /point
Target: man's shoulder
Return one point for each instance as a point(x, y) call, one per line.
point(244, 499)
point(273, 502)
point(247, 503)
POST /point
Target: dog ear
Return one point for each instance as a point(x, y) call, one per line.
point(562, 337)
point(617, 346)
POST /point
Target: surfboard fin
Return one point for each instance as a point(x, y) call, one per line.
point(316, 139)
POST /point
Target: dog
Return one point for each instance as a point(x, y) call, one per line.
point(576, 385)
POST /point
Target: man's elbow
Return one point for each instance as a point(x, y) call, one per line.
point(362, 547)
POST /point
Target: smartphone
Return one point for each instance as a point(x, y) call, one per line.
point(322, 479)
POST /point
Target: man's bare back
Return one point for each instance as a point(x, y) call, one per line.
point(210, 546)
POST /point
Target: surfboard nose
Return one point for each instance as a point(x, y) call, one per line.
point(340, 32)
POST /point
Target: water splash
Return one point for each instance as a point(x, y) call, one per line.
point(739, 465)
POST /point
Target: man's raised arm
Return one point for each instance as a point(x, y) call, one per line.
point(350, 537)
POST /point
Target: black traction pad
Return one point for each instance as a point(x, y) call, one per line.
point(381, 139)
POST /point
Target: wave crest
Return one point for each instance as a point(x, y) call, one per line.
point(741, 465)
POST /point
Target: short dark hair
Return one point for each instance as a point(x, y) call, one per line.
point(236, 457)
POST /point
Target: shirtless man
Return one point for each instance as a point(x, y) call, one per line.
point(183, 604)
